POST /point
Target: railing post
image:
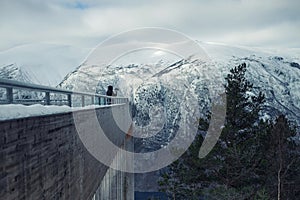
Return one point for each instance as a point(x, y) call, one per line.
point(82, 101)
point(47, 98)
point(9, 95)
point(69, 100)
point(93, 100)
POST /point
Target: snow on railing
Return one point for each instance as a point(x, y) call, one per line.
point(16, 92)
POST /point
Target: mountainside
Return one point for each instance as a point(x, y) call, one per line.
point(44, 64)
point(276, 73)
point(17, 73)
point(14, 72)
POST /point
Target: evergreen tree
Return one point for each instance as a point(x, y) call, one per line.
point(242, 109)
point(238, 152)
point(282, 161)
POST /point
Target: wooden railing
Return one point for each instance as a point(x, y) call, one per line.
point(16, 92)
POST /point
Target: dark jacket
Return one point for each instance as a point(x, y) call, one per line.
point(109, 91)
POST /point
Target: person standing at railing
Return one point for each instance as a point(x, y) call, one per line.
point(110, 92)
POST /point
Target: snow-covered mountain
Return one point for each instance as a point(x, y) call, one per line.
point(44, 64)
point(14, 72)
point(274, 72)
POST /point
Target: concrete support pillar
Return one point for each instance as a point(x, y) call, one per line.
point(116, 184)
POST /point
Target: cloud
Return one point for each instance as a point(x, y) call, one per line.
point(87, 22)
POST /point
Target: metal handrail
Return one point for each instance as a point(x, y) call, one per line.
point(9, 85)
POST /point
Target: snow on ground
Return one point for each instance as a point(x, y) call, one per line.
point(15, 111)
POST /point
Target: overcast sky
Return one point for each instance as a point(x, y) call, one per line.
point(85, 23)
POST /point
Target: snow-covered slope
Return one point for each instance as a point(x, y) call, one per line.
point(274, 72)
point(164, 92)
point(44, 64)
point(14, 72)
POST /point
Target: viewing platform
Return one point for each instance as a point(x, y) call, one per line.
point(43, 157)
